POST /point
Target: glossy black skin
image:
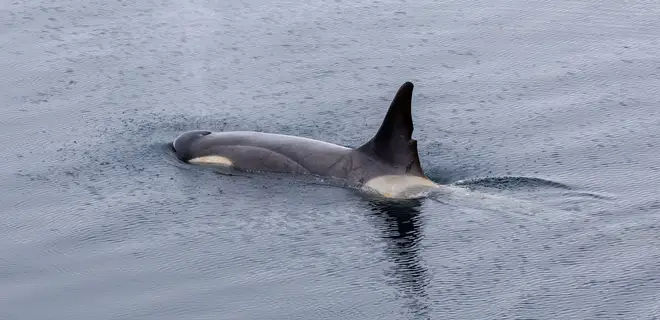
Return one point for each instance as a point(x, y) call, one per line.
point(283, 153)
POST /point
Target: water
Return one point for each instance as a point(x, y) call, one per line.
point(541, 119)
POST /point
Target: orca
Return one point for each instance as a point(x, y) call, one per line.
point(388, 164)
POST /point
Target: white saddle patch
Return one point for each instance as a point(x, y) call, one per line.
point(400, 186)
point(213, 160)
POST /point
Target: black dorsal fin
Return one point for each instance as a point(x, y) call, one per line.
point(393, 142)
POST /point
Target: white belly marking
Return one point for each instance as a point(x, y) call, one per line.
point(215, 160)
point(400, 186)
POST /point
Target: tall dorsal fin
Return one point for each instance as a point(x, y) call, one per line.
point(393, 142)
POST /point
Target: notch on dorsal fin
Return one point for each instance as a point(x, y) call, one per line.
point(393, 142)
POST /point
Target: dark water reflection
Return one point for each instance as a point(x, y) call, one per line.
point(402, 226)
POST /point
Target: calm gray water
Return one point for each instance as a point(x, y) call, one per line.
point(542, 118)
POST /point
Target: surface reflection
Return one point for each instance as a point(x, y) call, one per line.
point(402, 228)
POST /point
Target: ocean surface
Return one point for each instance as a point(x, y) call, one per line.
point(541, 120)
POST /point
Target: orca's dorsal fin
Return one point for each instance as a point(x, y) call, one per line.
point(393, 142)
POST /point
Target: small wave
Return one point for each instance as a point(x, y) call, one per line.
point(167, 152)
point(512, 183)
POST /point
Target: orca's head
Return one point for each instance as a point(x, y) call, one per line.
point(185, 144)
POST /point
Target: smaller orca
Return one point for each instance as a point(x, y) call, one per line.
point(388, 164)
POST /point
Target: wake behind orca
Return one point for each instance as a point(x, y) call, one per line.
point(387, 165)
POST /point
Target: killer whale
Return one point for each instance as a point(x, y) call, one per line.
point(388, 164)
